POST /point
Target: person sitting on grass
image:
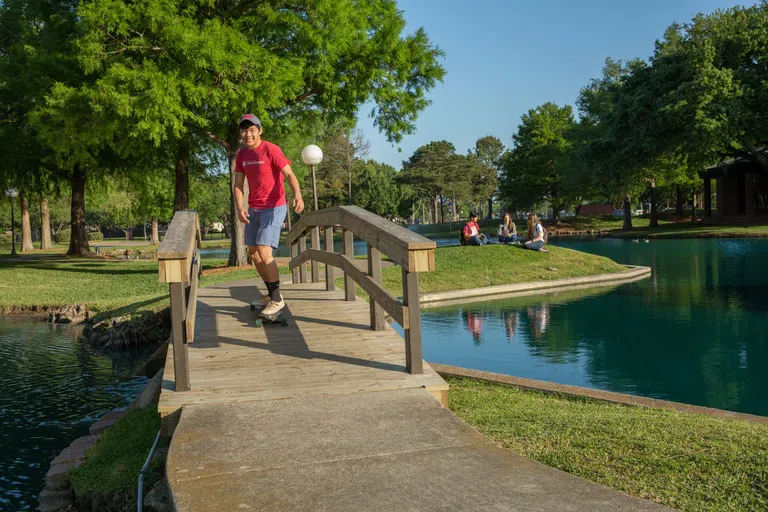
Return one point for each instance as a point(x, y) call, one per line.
point(507, 230)
point(471, 234)
point(537, 236)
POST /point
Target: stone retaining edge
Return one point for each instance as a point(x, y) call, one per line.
point(594, 394)
point(632, 273)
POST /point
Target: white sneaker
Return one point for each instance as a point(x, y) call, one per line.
point(273, 308)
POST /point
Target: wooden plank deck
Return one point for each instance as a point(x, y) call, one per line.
point(327, 348)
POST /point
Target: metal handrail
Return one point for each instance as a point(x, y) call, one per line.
point(140, 502)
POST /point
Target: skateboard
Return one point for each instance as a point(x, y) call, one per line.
point(262, 319)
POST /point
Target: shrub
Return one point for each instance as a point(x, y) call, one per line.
point(62, 236)
point(95, 236)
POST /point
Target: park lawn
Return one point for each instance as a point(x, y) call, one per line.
point(688, 230)
point(112, 466)
point(464, 267)
point(112, 288)
point(687, 461)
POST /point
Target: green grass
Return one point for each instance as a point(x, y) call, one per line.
point(112, 288)
point(460, 268)
point(112, 466)
point(688, 230)
point(686, 461)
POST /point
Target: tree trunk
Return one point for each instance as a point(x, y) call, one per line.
point(26, 226)
point(128, 233)
point(238, 253)
point(45, 225)
point(155, 237)
point(78, 242)
point(181, 195)
point(555, 207)
point(627, 214)
point(654, 223)
point(349, 187)
point(693, 207)
point(490, 207)
point(442, 209)
point(679, 201)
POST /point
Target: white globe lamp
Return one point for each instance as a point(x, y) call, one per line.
point(312, 155)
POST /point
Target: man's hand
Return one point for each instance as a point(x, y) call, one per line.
point(243, 215)
point(298, 204)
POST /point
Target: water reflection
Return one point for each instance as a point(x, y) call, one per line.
point(695, 332)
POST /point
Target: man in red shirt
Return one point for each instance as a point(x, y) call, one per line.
point(471, 234)
point(266, 167)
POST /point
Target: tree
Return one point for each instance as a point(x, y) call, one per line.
point(488, 151)
point(378, 189)
point(168, 67)
point(533, 169)
point(429, 170)
point(343, 150)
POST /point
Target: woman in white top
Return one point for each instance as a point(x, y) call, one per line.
point(536, 238)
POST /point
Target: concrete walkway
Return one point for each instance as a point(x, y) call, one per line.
point(389, 451)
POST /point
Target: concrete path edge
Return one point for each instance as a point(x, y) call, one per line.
point(595, 394)
point(633, 273)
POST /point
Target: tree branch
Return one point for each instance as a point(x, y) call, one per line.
point(210, 135)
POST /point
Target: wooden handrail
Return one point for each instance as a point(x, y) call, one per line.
point(411, 251)
point(179, 265)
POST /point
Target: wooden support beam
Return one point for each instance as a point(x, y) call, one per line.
point(315, 244)
point(414, 362)
point(330, 284)
point(180, 356)
point(376, 292)
point(378, 322)
point(303, 267)
point(349, 252)
point(189, 317)
point(295, 271)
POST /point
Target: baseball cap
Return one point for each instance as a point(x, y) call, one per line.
point(249, 118)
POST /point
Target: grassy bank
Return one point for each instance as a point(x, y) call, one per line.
point(112, 466)
point(112, 288)
point(688, 230)
point(687, 461)
point(460, 268)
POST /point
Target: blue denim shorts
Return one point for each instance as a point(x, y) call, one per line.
point(264, 226)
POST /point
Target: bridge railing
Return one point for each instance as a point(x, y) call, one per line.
point(411, 251)
point(179, 265)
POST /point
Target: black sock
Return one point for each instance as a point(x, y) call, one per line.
point(274, 290)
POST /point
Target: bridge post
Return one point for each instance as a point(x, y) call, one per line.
point(330, 285)
point(414, 362)
point(349, 252)
point(315, 244)
point(378, 323)
point(295, 271)
point(180, 356)
point(303, 267)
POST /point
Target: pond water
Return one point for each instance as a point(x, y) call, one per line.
point(695, 332)
point(54, 386)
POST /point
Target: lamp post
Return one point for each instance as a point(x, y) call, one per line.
point(312, 156)
point(12, 194)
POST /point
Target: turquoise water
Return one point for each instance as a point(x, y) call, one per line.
point(54, 386)
point(695, 332)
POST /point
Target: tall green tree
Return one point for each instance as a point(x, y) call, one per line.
point(429, 171)
point(488, 151)
point(534, 168)
point(171, 67)
point(378, 189)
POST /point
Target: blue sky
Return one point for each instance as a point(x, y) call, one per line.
point(505, 57)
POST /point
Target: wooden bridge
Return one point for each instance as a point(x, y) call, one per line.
point(334, 411)
point(334, 343)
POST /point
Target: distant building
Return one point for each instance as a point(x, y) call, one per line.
point(740, 192)
point(596, 209)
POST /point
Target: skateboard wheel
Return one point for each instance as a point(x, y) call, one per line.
point(253, 308)
point(259, 323)
point(283, 321)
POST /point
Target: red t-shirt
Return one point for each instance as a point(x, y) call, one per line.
point(471, 229)
point(262, 166)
